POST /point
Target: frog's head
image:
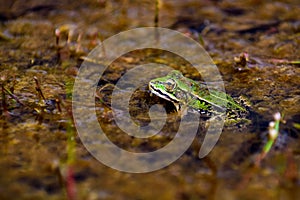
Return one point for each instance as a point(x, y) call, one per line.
point(165, 87)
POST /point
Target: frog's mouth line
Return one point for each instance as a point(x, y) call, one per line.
point(162, 94)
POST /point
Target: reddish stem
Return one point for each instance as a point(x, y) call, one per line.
point(70, 184)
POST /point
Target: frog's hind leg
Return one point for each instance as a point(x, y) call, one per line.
point(216, 119)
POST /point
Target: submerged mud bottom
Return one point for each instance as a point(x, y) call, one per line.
point(42, 47)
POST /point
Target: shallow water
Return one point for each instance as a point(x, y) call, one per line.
point(34, 137)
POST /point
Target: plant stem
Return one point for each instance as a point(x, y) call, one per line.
point(156, 16)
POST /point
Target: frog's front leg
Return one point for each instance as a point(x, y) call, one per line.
point(199, 105)
point(181, 108)
point(195, 104)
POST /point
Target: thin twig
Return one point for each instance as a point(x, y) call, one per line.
point(4, 104)
point(38, 87)
point(13, 96)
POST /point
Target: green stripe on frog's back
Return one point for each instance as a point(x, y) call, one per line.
point(218, 99)
point(226, 99)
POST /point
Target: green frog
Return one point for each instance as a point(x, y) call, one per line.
point(184, 92)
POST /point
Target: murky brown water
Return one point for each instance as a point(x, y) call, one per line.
point(33, 150)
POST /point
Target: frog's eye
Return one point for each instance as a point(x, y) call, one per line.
point(170, 85)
